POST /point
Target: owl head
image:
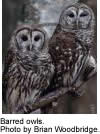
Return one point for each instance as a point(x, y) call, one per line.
point(79, 19)
point(29, 38)
point(78, 16)
point(29, 45)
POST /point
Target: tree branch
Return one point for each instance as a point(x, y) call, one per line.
point(53, 96)
point(47, 99)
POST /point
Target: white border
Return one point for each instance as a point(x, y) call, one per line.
point(63, 119)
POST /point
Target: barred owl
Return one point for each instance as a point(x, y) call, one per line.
point(28, 68)
point(70, 48)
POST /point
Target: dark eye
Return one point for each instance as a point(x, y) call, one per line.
point(24, 38)
point(71, 15)
point(37, 38)
point(84, 14)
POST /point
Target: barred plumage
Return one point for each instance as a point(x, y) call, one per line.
point(70, 47)
point(34, 66)
point(28, 69)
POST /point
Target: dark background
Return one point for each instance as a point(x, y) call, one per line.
point(12, 13)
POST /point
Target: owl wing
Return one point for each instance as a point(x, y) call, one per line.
point(7, 62)
point(89, 70)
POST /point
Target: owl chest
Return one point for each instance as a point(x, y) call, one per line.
point(68, 64)
point(62, 75)
point(68, 69)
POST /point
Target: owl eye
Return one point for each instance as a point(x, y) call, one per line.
point(24, 37)
point(84, 14)
point(71, 15)
point(37, 38)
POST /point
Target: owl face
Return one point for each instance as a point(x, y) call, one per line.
point(76, 17)
point(28, 39)
point(29, 45)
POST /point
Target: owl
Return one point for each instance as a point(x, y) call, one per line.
point(70, 48)
point(28, 68)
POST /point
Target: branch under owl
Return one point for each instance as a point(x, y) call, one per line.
point(47, 99)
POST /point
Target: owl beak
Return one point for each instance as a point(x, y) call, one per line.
point(77, 23)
